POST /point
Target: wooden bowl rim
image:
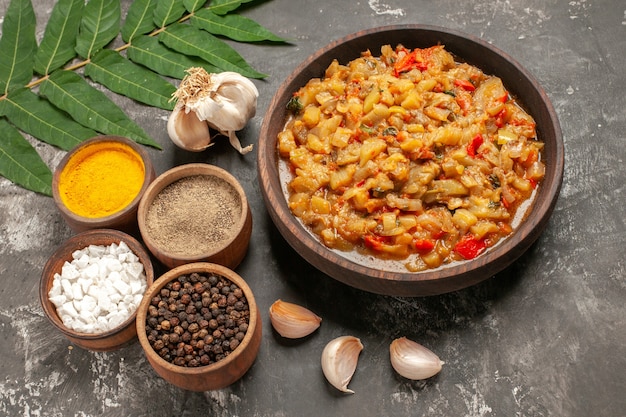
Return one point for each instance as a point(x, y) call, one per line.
point(95, 237)
point(172, 274)
point(182, 171)
point(98, 222)
point(407, 283)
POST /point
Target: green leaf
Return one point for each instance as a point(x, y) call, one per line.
point(192, 41)
point(17, 46)
point(138, 19)
point(122, 76)
point(37, 117)
point(168, 11)
point(57, 46)
point(63, 108)
point(233, 26)
point(193, 5)
point(149, 52)
point(99, 26)
point(90, 107)
point(224, 6)
point(20, 163)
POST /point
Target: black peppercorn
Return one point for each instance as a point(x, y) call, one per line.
point(197, 319)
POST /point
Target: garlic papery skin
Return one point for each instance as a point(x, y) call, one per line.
point(293, 321)
point(412, 360)
point(223, 101)
point(339, 360)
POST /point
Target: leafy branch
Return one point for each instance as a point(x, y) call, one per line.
point(44, 94)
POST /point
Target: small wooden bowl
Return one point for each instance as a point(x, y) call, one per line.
point(230, 252)
point(124, 219)
point(386, 277)
point(112, 339)
point(216, 375)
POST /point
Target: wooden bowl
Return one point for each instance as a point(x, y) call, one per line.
point(106, 341)
point(228, 252)
point(126, 218)
point(218, 374)
point(381, 276)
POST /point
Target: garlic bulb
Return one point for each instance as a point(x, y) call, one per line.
point(293, 321)
point(224, 101)
point(412, 360)
point(339, 360)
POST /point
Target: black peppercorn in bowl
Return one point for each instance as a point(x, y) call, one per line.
point(199, 326)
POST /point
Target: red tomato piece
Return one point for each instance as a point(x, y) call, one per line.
point(423, 245)
point(473, 146)
point(469, 247)
point(464, 84)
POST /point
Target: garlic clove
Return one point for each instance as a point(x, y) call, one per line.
point(224, 101)
point(412, 360)
point(339, 361)
point(187, 131)
point(293, 321)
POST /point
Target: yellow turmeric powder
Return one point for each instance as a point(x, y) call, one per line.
point(101, 179)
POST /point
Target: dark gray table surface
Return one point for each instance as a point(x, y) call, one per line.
point(545, 337)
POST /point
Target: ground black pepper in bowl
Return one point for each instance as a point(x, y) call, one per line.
point(196, 213)
point(197, 319)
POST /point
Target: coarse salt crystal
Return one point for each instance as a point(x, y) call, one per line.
point(67, 288)
point(124, 276)
point(137, 287)
point(103, 301)
point(88, 303)
point(134, 270)
point(137, 299)
point(96, 251)
point(86, 316)
point(77, 291)
point(85, 284)
point(56, 289)
point(115, 298)
point(117, 318)
point(92, 272)
point(99, 289)
point(69, 271)
point(120, 285)
point(82, 261)
point(58, 300)
point(68, 308)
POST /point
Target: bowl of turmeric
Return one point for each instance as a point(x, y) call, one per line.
point(99, 184)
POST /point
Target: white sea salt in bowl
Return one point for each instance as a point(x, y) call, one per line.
point(92, 285)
